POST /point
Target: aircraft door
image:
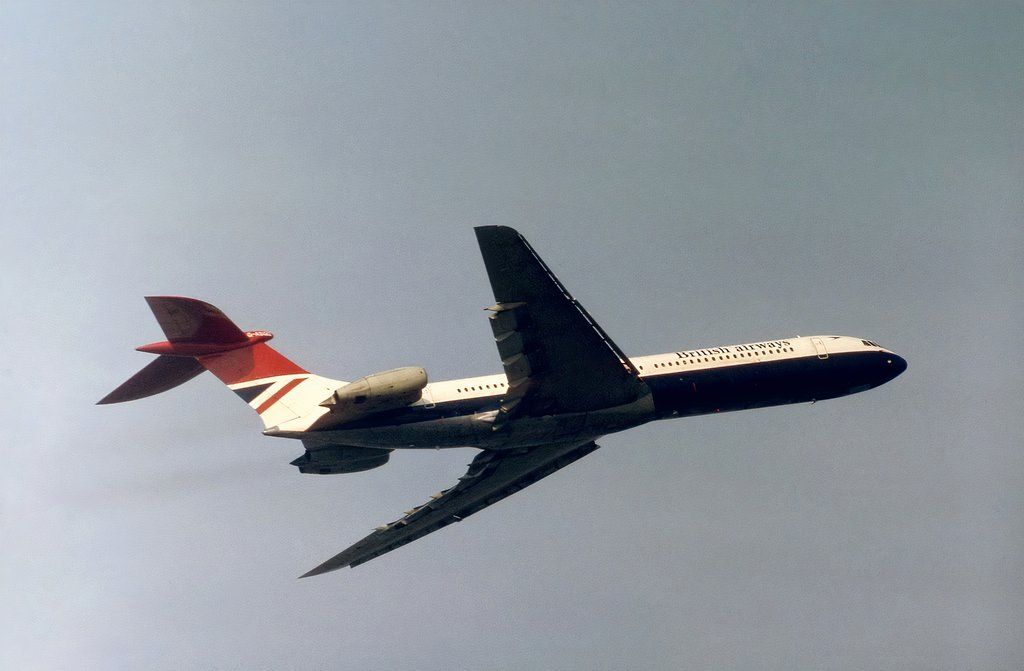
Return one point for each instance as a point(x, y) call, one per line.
point(819, 347)
point(428, 399)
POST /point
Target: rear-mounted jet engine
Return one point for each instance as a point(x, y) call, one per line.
point(341, 459)
point(374, 393)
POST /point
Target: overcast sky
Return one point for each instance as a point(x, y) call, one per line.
point(697, 174)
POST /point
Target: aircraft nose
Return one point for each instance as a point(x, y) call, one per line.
point(895, 364)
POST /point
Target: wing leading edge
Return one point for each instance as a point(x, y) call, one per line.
point(491, 477)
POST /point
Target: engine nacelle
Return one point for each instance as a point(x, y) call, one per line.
point(341, 459)
point(375, 393)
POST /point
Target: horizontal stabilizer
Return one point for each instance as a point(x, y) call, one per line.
point(190, 320)
point(166, 372)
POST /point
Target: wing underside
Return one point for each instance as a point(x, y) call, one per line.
point(491, 477)
point(556, 357)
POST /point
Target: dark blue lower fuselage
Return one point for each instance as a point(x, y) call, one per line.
point(684, 392)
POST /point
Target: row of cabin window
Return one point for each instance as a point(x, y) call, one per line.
point(720, 358)
point(482, 387)
point(657, 365)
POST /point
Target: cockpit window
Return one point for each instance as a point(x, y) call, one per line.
point(870, 344)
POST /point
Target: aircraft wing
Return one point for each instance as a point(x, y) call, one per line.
point(556, 357)
point(492, 476)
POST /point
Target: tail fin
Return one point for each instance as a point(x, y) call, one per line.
point(201, 337)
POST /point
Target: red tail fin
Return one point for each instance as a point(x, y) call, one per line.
point(199, 336)
point(249, 363)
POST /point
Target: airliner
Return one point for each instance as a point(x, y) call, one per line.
point(564, 384)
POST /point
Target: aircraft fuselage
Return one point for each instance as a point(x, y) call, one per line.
point(457, 413)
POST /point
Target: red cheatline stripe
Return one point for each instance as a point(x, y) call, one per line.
point(278, 394)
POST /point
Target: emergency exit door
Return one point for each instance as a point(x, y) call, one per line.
point(819, 347)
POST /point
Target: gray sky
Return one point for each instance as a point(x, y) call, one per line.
point(696, 174)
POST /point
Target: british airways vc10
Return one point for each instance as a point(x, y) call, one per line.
point(565, 384)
